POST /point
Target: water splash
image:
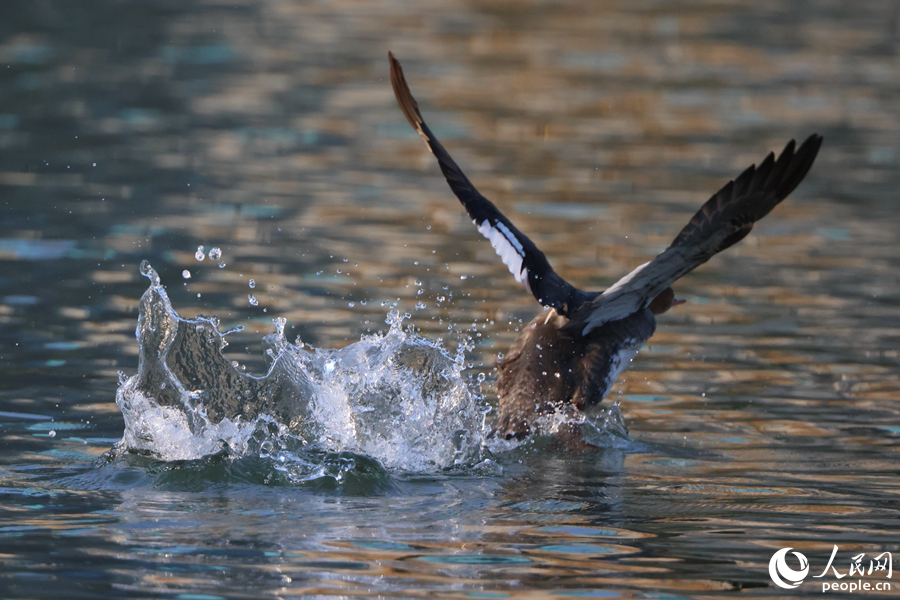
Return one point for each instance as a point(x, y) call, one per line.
point(394, 397)
point(390, 402)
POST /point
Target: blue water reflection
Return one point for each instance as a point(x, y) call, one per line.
point(762, 415)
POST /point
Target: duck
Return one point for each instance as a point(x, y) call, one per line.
point(570, 355)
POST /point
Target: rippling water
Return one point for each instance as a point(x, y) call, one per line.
point(762, 415)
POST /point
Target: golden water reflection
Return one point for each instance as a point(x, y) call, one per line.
point(768, 403)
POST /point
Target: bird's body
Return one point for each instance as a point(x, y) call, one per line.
point(549, 367)
point(570, 355)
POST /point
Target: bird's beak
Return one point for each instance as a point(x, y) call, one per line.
point(678, 301)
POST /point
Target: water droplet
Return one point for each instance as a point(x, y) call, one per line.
point(215, 254)
point(420, 306)
point(199, 254)
point(222, 265)
point(252, 284)
point(351, 304)
point(148, 272)
point(252, 299)
point(463, 276)
point(186, 274)
point(51, 433)
point(279, 322)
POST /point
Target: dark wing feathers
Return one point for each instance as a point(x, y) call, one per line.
point(725, 219)
point(722, 221)
point(525, 261)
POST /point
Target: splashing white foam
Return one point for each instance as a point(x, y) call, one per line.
point(394, 397)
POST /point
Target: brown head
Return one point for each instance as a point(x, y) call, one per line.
point(664, 301)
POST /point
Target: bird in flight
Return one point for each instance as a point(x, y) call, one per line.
point(570, 355)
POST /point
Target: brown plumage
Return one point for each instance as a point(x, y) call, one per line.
point(570, 355)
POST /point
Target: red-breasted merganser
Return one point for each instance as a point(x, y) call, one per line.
point(572, 353)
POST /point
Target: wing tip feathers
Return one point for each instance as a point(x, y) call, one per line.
point(405, 99)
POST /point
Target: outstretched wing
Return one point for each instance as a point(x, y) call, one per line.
point(527, 264)
point(722, 221)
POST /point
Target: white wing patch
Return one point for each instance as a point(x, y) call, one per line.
point(620, 283)
point(507, 248)
point(617, 302)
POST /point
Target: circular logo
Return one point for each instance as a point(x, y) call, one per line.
point(784, 576)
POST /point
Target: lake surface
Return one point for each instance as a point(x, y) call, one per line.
point(764, 414)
